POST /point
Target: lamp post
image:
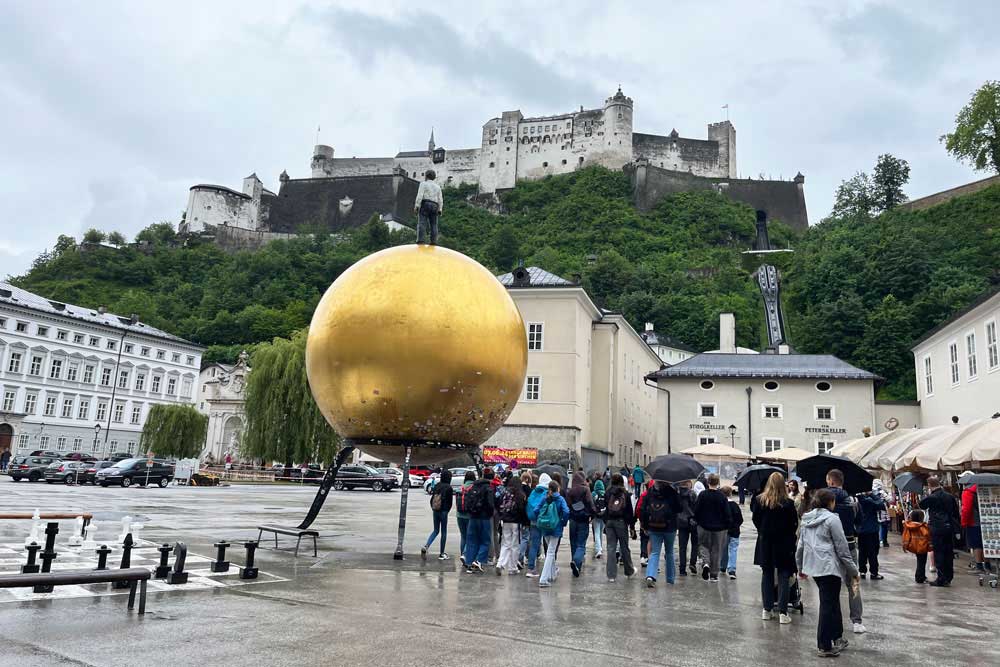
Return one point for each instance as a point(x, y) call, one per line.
point(38, 436)
point(97, 433)
point(732, 435)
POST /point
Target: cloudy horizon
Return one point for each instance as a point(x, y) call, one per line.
point(113, 110)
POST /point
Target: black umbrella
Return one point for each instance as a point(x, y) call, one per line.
point(754, 477)
point(549, 468)
point(674, 468)
point(909, 482)
point(813, 471)
point(984, 478)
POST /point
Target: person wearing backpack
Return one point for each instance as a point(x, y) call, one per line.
point(687, 529)
point(479, 503)
point(711, 511)
point(658, 517)
point(511, 510)
point(619, 522)
point(728, 558)
point(552, 517)
point(581, 508)
point(441, 501)
point(527, 484)
point(917, 541)
point(597, 524)
point(461, 514)
point(535, 500)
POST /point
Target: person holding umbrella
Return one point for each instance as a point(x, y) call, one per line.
point(711, 511)
point(658, 517)
point(777, 523)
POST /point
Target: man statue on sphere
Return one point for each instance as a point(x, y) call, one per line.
point(428, 207)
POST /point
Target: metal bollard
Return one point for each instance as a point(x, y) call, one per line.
point(248, 571)
point(220, 564)
point(178, 575)
point(164, 567)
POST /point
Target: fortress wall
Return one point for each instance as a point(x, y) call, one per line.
point(694, 156)
point(214, 205)
point(368, 166)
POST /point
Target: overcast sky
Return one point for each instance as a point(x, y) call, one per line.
point(110, 111)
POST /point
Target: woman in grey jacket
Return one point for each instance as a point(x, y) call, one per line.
point(824, 555)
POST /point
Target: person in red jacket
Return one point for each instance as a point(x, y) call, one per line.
point(970, 525)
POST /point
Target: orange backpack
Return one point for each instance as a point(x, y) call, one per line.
point(916, 537)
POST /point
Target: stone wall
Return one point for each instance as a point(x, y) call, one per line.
point(945, 195)
point(539, 437)
point(232, 239)
point(214, 205)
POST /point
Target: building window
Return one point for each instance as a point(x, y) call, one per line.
point(533, 388)
point(140, 381)
point(29, 403)
point(22, 441)
point(535, 333)
point(88, 374)
point(772, 411)
point(113, 445)
point(190, 360)
point(155, 388)
point(102, 411)
point(15, 363)
point(94, 341)
point(136, 413)
point(771, 385)
point(67, 408)
point(128, 348)
point(144, 351)
point(78, 338)
point(707, 440)
point(953, 360)
point(992, 355)
point(43, 442)
point(72, 371)
point(3, 323)
point(824, 412)
point(8, 400)
point(824, 446)
point(112, 344)
point(62, 335)
point(77, 444)
point(119, 413)
point(171, 386)
point(21, 327)
point(43, 331)
point(123, 379)
point(707, 385)
point(970, 355)
point(84, 408)
point(131, 448)
point(55, 369)
point(186, 388)
point(36, 366)
point(50, 406)
point(772, 444)
point(61, 443)
point(706, 410)
point(823, 386)
point(160, 354)
point(175, 357)
point(105, 377)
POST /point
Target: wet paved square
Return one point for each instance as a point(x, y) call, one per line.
point(354, 605)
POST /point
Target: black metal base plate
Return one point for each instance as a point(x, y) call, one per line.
point(220, 566)
point(177, 578)
point(248, 573)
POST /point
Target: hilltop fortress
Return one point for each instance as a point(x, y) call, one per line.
point(346, 192)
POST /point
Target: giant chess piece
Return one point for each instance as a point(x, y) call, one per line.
point(220, 564)
point(36, 530)
point(248, 571)
point(163, 569)
point(31, 567)
point(126, 561)
point(76, 539)
point(49, 555)
point(136, 528)
point(126, 529)
point(178, 575)
point(89, 542)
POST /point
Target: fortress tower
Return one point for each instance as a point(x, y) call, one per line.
point(322, 161)
point(725, 134)
point(617, 130)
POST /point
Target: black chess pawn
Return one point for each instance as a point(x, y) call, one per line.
point(31, 567)
point(102, 557)
point(49, 555)
point(126, 562)
point(164, 567)
point(248, 571)
point(220, 564)
point(178, 575)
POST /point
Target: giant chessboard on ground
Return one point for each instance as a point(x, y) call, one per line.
point(145, 554)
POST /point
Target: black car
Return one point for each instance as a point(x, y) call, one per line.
point(31, 468)
point(65, 472)
point(89, 476)
point(136, 471)
point(357, 477)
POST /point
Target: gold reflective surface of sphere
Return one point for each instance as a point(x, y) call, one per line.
point(420, 345)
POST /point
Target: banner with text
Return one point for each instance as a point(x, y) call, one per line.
point(523, 457)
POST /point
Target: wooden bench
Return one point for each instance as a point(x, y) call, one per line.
point(135, 575)
point(289, 530)
point(28, 516)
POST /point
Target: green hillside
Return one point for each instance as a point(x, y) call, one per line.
point(863, 289)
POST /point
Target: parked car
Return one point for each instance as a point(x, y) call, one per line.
point(359, 476)
point(457, 479)
point(135, 471)
point(45, 452)
point(78, 456)
point(423, 472)
point(31, 468)
point(415, 480)
point(65, 472)
point(89, 476)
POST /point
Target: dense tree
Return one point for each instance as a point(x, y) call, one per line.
point(116, 239)
point(891, 174)
point(176, 431)
point(159, 233)
point(283, 421)
point(976, 138)
point(853, 197)
point(94, 236)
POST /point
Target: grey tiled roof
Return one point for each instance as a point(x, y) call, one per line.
point(714, 364)
point(539, 278)
point(26, 299)
point(413, 154)
point(654, 338)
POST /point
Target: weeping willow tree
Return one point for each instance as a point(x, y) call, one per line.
point(174, 430)
point(283, 422)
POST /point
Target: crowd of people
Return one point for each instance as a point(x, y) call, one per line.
point(515, 523)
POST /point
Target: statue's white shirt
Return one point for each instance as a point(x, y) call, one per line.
point(430, 191)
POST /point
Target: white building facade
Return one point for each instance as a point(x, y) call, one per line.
point(222, 399)
point(584, 389)
point(66, 369)
point(958, 365)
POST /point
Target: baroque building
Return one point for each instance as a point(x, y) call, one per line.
point(222, 400)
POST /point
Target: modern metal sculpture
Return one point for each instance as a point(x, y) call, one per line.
point(769, 283)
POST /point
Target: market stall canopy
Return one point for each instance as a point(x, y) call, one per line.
point(883, 457)
point(857, 449)
point(716, 450)
point(981, 445)
point(927, 454)
point(788, 454)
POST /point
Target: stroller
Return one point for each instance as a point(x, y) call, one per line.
point(794, 596)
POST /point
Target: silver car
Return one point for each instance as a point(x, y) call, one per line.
point(457, 479)
point(415, 480)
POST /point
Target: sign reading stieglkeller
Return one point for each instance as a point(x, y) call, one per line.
point(707, 427)
point(523, 457)
point(989, 519)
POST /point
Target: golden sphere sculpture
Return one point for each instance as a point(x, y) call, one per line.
point(416, 345)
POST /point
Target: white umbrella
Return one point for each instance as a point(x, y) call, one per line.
point(927, 455)
point(716, 450)
point(885, 455)
point(979, 444)
point(787, 454)
point(857, 449)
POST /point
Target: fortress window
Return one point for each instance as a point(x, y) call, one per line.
point(619, 116)
point(581, 159)
point(545, 164)
point(564, 161)
point(492, 165)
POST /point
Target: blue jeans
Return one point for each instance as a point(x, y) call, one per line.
point(579, 531)
point(534, 546)
point(440, 526)
point(463, 529)
point(661, 542)
point(522, 551)
point(727, 563)
point(884, 531)
point(597, 528)
point(477, 541)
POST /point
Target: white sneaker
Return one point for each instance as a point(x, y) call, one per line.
point(444, 557)
point(766, 615)
point(643, 562)
point(784, 619)
point(611, 580)
point(859, 629)
point(499, 570)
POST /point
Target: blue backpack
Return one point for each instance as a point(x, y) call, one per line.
point(548, 518)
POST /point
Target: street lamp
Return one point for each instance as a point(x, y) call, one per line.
point(732, 435)
point(97, 432)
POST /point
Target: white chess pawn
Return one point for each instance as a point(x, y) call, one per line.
point(36, 530)
point(76, 539)
point(126, 528)
point(136, 527)
point(89, 544)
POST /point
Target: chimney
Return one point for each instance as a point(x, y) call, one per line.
point(649, 326)
point(727, 333)
point(783, 348)
point(102, 309)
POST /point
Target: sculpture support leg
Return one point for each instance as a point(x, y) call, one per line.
point(402, 505)
point(324, 487)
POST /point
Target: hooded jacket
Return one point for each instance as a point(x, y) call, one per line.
point(823, 549)
point(537, 497)
point(485, 488)
point(970, 508)
point(847, 510)
point(579, 494)
point(711, 510)
point(942, 512)
point(628, 515)
point(657, 494)
point(869, 507)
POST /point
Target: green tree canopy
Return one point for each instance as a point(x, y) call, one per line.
point(176, 431)
point(283, 422)
point(976, 138)
point(94, 236)
point(891, 174)
point(116, 239)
